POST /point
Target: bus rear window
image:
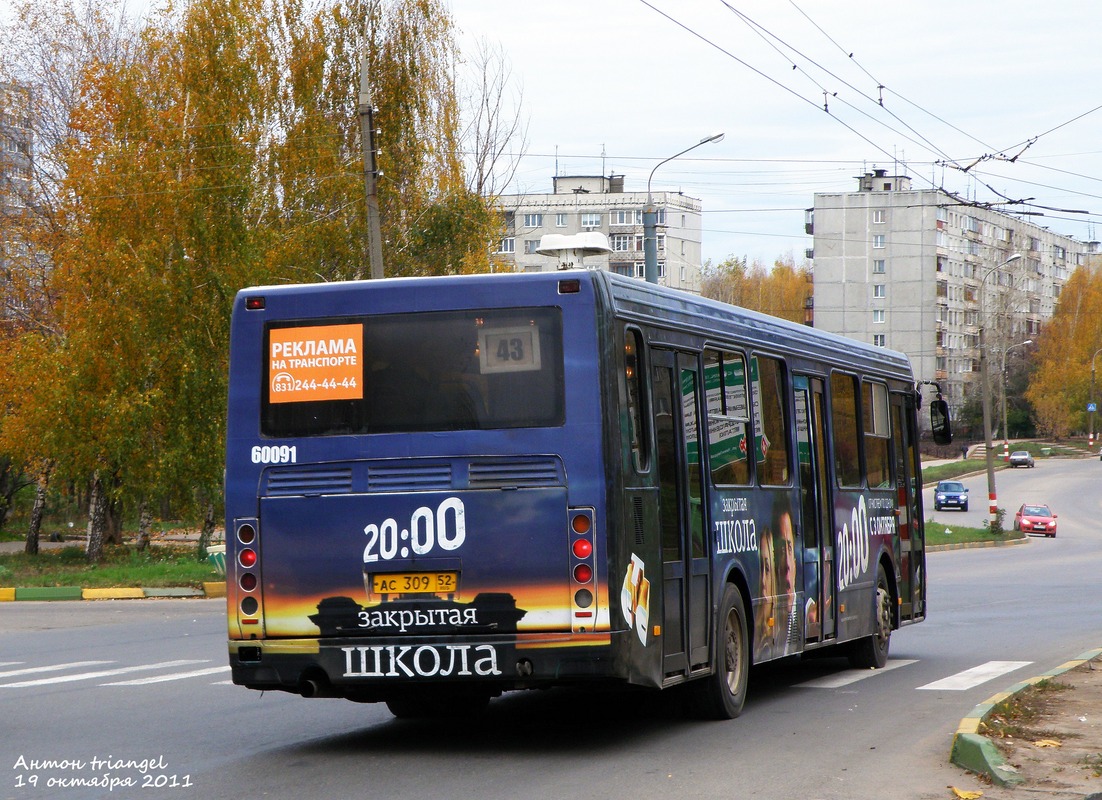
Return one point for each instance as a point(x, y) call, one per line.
point(433, 371)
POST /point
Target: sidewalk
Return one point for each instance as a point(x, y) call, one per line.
point(1041, 753)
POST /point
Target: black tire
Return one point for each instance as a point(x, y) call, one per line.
point(937, 507)
point(430, 703)
point(722, 694)
point(872, 651)
point(964, 507)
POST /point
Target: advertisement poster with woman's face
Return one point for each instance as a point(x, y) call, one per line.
point(776, 622)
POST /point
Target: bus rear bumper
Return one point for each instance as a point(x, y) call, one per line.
point(370, 670)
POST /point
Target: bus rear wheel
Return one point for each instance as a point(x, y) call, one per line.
point(872, 651)
point(722, 694)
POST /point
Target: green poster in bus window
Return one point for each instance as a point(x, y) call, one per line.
point(688, 413)
point(803, 431)
point(726, 436)
point(761, 441)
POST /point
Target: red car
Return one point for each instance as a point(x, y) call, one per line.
point(1035, 519)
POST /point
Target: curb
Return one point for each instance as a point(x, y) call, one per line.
point(937, 548)
point(977, 753)
point(8, 594)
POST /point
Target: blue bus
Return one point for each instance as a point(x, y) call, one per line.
point(441, 489)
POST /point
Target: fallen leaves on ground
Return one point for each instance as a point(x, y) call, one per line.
point(964, 794)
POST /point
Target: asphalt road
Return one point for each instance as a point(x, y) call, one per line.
point(137, 691)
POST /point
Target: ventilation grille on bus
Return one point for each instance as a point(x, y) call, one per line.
point(283, 483)
point(407, 477)
point(637, 519)
point(411, 476)
point(520, 474)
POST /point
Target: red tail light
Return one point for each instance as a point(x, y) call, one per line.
point(583, 570)
point(245, 592)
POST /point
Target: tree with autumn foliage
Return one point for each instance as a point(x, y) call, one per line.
point(1060, 388)
point(216, 148)
point(48, 50)
point(782, 291)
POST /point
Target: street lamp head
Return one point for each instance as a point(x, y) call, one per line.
point(715, 137)
point(997, 267)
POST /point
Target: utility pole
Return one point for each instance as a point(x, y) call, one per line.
point(371, 173)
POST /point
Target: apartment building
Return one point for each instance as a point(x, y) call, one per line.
point(921, 271)
point(16, 146)
point(16, 152)
point(595, 203)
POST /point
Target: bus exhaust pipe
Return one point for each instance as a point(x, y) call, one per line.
point(316, 687)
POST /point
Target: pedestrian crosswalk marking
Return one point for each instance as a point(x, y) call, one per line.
point(80, 676)
point(175, 676)
point(848, 676)
point(960, 681)
point(975, 676)
point(52, 668)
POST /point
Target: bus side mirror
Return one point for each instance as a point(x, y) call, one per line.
point(940, 423)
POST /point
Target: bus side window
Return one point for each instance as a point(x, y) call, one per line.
point(728, 417)
point(843, 416)
point(874, 409)
point(770, 425)
point(633, 383)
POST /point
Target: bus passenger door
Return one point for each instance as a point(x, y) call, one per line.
point(685, 563)
point(815, 509)
point(908, 512)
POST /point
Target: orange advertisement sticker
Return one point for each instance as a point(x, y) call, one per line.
point(323, 362)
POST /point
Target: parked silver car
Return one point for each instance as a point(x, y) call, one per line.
point(1021, 458)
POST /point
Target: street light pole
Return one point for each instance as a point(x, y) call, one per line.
point(1006, 438)
point(992, 501)
point(1091, 410)
point(650, 215)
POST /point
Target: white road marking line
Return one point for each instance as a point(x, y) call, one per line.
point(975, 676)
point(846, 677)
point(175, 676)
point(51, 668)
point(100, 674)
